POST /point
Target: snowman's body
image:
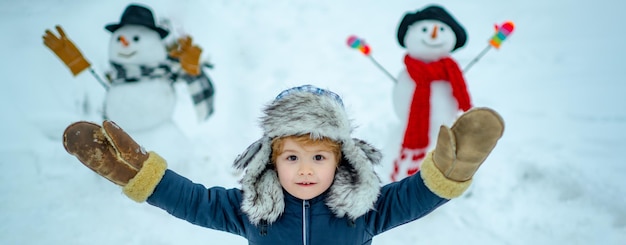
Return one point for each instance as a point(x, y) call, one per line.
point(140, 105)
point(443, 107)
point(141, 95)
point(428, 40)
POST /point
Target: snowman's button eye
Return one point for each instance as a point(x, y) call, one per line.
point(424, 29)
point(119, 39)
point(136, 38)
point(441, 28)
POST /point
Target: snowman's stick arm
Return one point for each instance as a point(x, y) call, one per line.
point(359, 44)
point(382, 68)
point(98, 78)
point(473, 61)
point(502, 32)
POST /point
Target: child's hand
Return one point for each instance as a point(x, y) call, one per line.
point(114, 155)
point(462, 148)
point(106, 150)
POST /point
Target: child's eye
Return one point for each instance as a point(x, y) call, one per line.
point(292, 158)
point(318, 157)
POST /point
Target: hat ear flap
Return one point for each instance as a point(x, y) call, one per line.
point(356, 187)
point(372, 154)
point(263, 198)
point(242, 161)
point(262, 192)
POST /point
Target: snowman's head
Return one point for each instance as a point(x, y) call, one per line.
point(430, 33)
point(429, 40)
point(136, 45)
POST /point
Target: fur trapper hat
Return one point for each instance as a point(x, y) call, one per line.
point(320, 113)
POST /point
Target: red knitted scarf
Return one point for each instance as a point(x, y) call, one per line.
point(416, 134)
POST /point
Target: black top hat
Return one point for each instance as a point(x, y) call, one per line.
point(137, 15)
point(433, 12)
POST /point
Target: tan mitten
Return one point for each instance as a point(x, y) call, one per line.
point(65, 49)
point(113, 154)
point(460, 150)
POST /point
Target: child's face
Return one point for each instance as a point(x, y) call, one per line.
point(305, 171)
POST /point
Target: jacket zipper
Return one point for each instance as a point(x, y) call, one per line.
point(305, 206)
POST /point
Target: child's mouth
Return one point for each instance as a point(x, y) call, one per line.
point(306, 183)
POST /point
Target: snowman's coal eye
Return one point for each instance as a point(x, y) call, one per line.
point(136, 38)
point(441, 28)
point(119, 39)
point(424, 29)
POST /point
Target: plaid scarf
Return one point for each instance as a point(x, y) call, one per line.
point(200, 87)
point(423, 74)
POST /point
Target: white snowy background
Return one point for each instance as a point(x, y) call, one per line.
point(556, 177)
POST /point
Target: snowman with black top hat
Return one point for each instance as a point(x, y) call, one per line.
point(140, 84)
point(431, 91)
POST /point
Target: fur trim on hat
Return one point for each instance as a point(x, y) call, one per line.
point(319, 113)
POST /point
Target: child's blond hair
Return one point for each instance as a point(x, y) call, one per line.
point(305, 140)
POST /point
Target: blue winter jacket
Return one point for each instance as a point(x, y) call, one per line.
point(307, 222)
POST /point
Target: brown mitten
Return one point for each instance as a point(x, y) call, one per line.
point(188, 55)
point(66, 51)
point(113, 154)
point(460, 150)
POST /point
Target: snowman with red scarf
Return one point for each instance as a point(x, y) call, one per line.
point(431, 91)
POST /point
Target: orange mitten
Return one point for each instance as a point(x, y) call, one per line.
point(66, 51)
point(188, 55)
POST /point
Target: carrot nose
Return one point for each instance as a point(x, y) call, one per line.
point(433, 35)
point(124, 41)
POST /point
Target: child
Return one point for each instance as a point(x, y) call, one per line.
point(306, 181)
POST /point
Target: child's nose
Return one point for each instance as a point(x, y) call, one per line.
point(305, 170)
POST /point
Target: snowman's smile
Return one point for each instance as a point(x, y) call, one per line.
point(123, 55)
point(432, 45)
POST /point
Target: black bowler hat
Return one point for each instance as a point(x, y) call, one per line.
point(137, 15)
point(433, 12)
